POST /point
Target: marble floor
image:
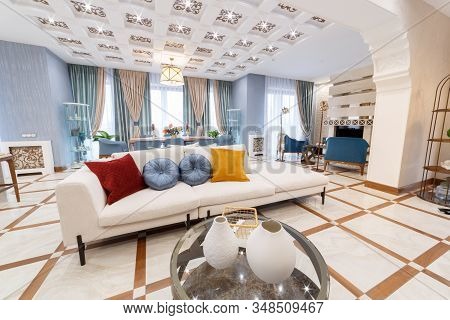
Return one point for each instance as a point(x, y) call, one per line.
point(376, 245)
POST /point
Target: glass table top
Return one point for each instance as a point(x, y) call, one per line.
point(193, 278)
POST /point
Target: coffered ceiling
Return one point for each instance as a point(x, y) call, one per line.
point(213, 38)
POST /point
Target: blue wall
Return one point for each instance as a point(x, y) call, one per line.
point(248, 94)
point(33, 84)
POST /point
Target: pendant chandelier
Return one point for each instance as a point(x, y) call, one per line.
point(171, 75)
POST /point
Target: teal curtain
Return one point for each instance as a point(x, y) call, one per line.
point(83, 80)
point(188, 112)
point(225, 102)
point(122, 115)
point(305, 94)
point(145, 121)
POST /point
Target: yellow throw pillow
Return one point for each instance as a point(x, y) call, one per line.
point(228, 165)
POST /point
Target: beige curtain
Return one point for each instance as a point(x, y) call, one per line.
point(133, 86)
point(217, 103)
point(197, 91)
point(100, 105)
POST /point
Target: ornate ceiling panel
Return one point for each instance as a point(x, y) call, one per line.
point(217, 38)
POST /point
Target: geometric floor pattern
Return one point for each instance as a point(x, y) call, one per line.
point(376, 246)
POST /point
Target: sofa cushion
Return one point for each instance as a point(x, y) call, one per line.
point(161, 174)
point(150, 204)
point(286, 177)
point(195, 169)
point(228, 165)
point(212, 193)
point(119, 178)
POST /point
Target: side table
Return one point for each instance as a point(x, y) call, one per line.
point(10, 160)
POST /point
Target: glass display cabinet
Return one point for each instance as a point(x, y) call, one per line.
point(78, 121)
point(234, 124)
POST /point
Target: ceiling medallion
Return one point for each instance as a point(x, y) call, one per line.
point(173, 44)
point(53, 23)
point(171, 75)
point(293, 35)
point(136, 19)
point(318, 19)
point(42, 1)
point(82, 54)
point(230, 73)
point(203, 50)
point(178, 28)
point(69, 41)
point(264, 26)
point(108, 47)
point(211, 71)
point(240, 67)
point(190, 6)
point(228, 16)
point(253, 59)
point(244, 43)
point(195, 60)
point(141, 52)
point(114, 58)
point(219, 64)
point(140, 39)
point(83, 7)
point(270, 49)
point(143, 61)
point(287, 7)
point(101, 31)
point(214, 36)
point(230, 54)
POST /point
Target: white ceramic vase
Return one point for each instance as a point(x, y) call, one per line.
point(271, 252)
point(221, 245)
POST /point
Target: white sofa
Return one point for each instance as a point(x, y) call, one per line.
point(85, 216)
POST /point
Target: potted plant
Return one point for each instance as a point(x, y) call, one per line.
point(103, 135)
point(213, 134)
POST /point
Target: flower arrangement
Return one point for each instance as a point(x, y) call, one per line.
point(171, 130)
point(213, 134)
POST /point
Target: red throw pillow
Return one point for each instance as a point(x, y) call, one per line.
point(119, 178)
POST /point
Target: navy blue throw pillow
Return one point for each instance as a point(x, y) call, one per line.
point(195, 169)
point(161, 174)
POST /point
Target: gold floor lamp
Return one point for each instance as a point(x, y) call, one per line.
point(323, 106)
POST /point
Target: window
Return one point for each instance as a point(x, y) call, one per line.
point(166, 104)
point(281, 93)
point(108, 123)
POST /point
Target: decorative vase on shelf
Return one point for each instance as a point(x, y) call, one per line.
point(221, 245)
point(271, 252)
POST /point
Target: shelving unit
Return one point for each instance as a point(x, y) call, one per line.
point(234, 124)
point(435, 185)
point(78, 120)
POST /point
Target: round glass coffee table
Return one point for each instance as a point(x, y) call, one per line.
point(193, 278)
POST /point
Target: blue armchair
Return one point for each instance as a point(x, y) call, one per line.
point(292, 146)
point(346, 150)
point(108, 147)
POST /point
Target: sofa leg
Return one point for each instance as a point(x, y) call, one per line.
point(362, 169)
point(81, 250)
point(325, 165)
point(208, 214)
point(188, 221)
point(323, 196)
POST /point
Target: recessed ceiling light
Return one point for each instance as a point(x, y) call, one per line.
point(51, 20)
point(244, 42)
point(264, 25)
point(293, 33)
point(138, 18)
point(187, 3)
point(229, 15)
point(215, 35)
point(88, 7)
point(270, 47)
point(100, 29)
point(180, 27)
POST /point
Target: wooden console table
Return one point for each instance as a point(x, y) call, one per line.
point(10, 160)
